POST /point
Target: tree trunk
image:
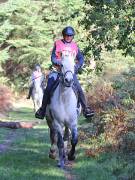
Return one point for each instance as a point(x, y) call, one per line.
point(16, 125)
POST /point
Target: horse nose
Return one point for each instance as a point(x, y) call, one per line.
point(67, 80)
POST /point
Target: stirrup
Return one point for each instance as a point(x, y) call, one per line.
point(88, 113)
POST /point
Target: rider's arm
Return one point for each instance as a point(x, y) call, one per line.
point(54, 60)
point(80, 60)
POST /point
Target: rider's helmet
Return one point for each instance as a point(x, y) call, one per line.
point(37, 67)
point(68, 31)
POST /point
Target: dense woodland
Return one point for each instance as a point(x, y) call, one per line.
point(29, 28)
point(105, 32)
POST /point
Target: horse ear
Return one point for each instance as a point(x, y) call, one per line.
point(74, 54)
point(66, 53)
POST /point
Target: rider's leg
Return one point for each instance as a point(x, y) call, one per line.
point(46, 97)
point(30, 92)
point(86, 110)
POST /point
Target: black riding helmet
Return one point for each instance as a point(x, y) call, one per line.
point(68, 31)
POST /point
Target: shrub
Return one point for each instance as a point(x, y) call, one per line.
point(5, 100)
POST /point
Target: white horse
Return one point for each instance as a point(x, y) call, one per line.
point(37, 91)
point(63, 113)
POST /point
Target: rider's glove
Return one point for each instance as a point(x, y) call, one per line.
point(57, 63)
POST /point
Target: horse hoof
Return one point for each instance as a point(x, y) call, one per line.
point(71, 157)
point(52, 156)
point(60, 165)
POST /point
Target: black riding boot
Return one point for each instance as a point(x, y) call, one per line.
point(86, 110)
point(40, 114)
point(30, 92)
point(47, 93)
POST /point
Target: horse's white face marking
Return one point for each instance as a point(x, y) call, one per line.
point(68, 61)
point(68, 64)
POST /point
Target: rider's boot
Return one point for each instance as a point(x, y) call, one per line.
point(40, 114)
point(87, 111)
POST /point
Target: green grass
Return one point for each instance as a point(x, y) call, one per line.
point(89, 168)
point(23, 114)
point(3, 134)
point(105, 166)
point(27, 157)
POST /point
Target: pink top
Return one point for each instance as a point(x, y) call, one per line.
point(36, 74)
point(68, 47)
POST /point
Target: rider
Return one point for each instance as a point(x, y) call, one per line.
point(37, 73)
point(64, 44)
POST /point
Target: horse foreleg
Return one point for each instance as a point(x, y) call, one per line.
point(34, 105)
point(74, 140)
point(66, 140)
point(53, 138)
point(60, 144)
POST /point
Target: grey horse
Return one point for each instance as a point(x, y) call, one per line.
point(38, 84)
point(62, 113)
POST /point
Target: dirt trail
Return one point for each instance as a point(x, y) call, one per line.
point(68, 171)
point(13, 133)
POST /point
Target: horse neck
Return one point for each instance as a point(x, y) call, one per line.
point(37, 84)
point(63, 88)
point(65, 92)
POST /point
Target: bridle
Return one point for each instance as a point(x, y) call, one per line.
point(63, 79)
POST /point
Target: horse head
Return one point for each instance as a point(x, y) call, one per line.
point(67, 68)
